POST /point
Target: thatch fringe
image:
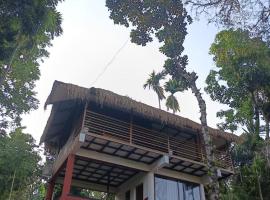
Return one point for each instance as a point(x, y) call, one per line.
point(63, 91)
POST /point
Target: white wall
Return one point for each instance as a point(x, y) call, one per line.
point(147, 179)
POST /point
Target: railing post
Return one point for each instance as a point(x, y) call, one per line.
point(50, 188)
point(169, 149)
point(84, 115)
point(131, 129)
point(200, 147)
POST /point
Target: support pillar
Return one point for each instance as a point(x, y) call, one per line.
point(68, 176)
point(150, 185)
point(50, 188)
point(202, 192)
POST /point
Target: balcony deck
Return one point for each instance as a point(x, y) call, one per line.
point(115, 137)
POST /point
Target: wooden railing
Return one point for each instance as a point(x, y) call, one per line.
point(140, 136)
point(223, 160)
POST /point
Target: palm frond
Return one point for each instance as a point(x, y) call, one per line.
point(172, 103)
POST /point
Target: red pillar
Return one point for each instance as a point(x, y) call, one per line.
point(50, 188)
point(68, 176)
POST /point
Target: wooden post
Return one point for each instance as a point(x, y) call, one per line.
point(68, 176)
point(131, 129)
point(50, 189)
point(84, 115)
point(168, 141)
point(200, 147)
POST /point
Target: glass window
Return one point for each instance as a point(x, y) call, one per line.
point(167, 189)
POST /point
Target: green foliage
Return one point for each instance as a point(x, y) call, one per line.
point(19, 159)
point(241, 79)
point(252, 176)
point(165, 20)
point(153, 82)
point(172, 86)
point(26, 30)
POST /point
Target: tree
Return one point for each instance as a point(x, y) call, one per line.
point(241, 80)
point(153, 82)
point(167, 21)
point(19, 166)
point(26, 30)
point(173, 86)
point(252, 178)
point(251, 15)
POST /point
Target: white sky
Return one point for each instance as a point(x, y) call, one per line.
point(89, 41)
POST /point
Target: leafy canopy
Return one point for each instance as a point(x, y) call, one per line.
point(153, 82)
point(164, 20)
point(19, 158)
point(241, 77)
point(26, 31)
point(167, 21)
point(173, 86)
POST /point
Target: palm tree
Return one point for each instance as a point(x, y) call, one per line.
point(153, 82)
point(173, 86)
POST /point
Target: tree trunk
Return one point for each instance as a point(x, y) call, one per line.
point(159, 103)
point(259, 186)
point(257, 114)
point(210, 161)
point(11, 188)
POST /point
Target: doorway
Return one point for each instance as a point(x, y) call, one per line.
point(139, 192)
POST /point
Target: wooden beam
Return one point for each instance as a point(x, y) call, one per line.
point(136, 165)
point(160, 163)
point(113, 159)
point(72, 145)
point(113, 139)
point(50, 188)
point(68, 176)
point(88, 185)
point(179, 175)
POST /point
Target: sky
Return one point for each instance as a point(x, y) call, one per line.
point(89, 42)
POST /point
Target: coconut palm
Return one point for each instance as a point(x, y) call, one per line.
point(173, 86)
point(153, 82)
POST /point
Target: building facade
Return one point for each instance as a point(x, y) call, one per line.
point(106, 142)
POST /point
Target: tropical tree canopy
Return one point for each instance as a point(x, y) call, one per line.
point(26, 30)
point(19, 166)
point(173, 86)
point(241, 79)
point(153, 82)
point(167, 21)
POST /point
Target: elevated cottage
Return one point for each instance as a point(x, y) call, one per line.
point(106, 142)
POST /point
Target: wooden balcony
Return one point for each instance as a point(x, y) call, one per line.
point(159, 143)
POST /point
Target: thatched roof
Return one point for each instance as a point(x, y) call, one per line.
point(68, 92)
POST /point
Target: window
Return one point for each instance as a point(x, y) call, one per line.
point(166, 189)
point(127, 195)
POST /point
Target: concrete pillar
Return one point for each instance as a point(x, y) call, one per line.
point(202, 192)
point(150, 186)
